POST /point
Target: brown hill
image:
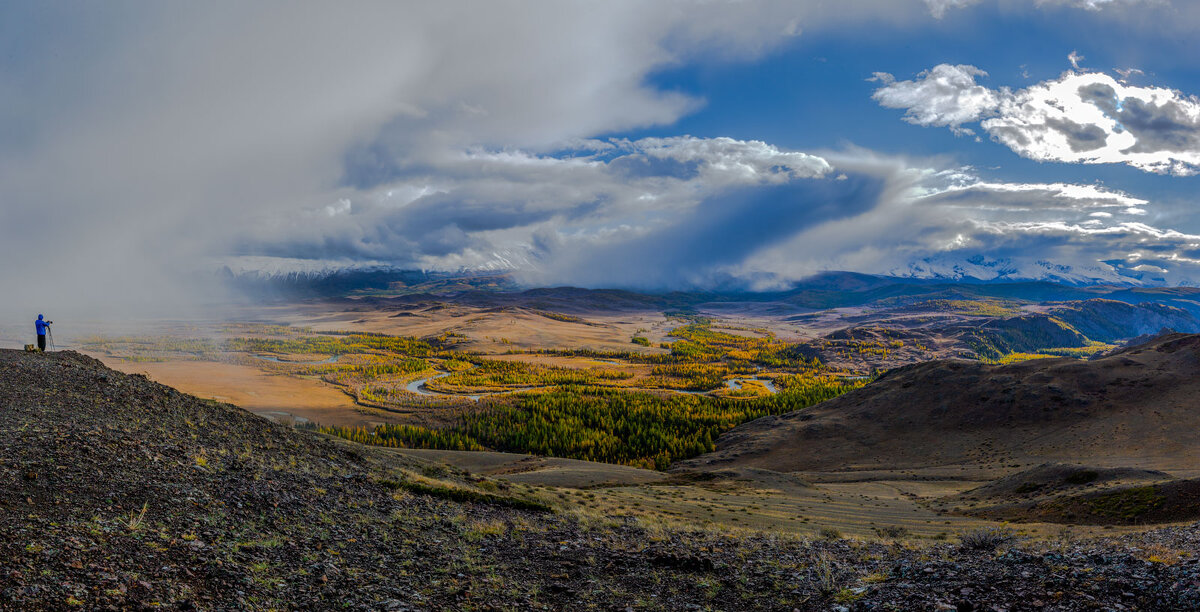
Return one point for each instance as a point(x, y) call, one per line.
point(1146, 504)
point(1135, 408)
point(1055, 478)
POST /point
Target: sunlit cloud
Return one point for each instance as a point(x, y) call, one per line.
point(1088, 118)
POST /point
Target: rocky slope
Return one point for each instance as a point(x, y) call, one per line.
point(122, 494)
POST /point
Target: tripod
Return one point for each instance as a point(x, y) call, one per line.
point(50, 336)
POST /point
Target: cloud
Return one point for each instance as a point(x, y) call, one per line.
point(944, 95)
point(953, 224)
point(688, 213)
point(938, 8)
point(1074, 57)
point(752, 160)
point(1127, 73)
point(511, 208)
point(1034, 197)
point(1088, 118)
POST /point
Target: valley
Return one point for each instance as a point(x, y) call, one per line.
point(882, 447)
point(641, 405)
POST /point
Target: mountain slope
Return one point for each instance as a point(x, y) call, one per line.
point(1135, 408)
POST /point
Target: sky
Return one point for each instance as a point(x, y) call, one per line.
point(642, 145)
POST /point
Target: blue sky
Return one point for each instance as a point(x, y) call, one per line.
point(661, 145)
point(825, 75)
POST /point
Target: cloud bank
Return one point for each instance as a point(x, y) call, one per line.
point(688, 213)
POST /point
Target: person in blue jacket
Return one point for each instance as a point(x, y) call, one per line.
point(42, 327)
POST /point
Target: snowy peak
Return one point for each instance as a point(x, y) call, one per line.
point(980, 268)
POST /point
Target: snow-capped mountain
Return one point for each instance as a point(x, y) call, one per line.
point(979, 268)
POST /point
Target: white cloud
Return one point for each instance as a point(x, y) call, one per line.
point(1074, 57)
point(748, 160)
point(944, 95)
point(1086, 118)
point(953, 224)
point(1092, 118)
point(1035, 197)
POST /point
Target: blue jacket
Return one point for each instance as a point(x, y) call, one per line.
point(41, 326)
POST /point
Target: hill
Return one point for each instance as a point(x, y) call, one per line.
point(123, 494)
point(1134, 408)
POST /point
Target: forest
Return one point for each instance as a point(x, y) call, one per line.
point(634, 428)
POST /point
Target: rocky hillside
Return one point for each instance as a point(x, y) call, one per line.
point(122, 494)
point(1135, 408)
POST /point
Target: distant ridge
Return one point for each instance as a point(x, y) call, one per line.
point(823, 290)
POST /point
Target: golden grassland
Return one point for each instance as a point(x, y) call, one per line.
point(644, 409)
point(620, 408)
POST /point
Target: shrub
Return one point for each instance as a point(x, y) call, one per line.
point(891, 531)
point(829, 533)
point(988, 538)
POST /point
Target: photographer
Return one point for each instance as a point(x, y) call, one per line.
point(42, 328)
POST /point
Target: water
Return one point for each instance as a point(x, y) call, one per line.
point(278, 360)
point(736, 383)
point(418, 387)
